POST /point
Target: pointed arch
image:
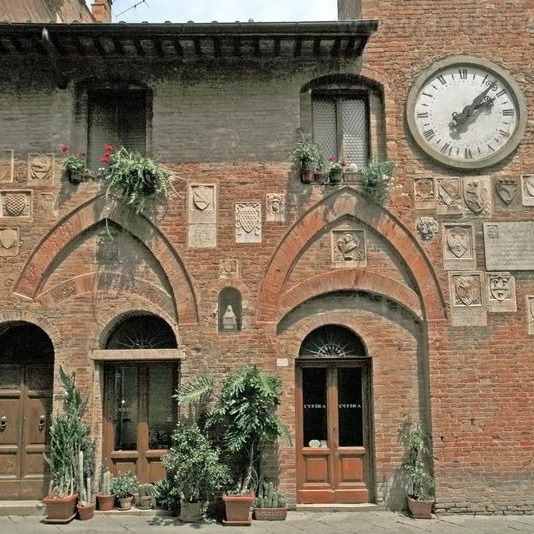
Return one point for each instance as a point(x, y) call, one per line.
point(37, 268)
point(342, 203)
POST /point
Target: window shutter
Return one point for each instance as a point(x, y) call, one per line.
point(325, 126)
point(355, 142)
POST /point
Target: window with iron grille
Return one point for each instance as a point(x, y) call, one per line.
point(341, 126)
point(117, 119)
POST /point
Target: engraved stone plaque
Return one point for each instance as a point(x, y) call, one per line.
point(202, 203)
point(509, 246)
point(6, 166)
point(468, 306)
point(229, 268)
point(507, 193)
point(448, 196)
point(9, 242)
point(501, 292)
point(527, 189)
point(41, 169)
point(477, 196)
point(458, 247)
point(348, 248)
point(248, 222)
point(530, 314)
point(424, 193)
point(202, 236)
point(276, 207)
point(16, 205)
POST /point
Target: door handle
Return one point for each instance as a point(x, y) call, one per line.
point(3, 423)
point(42, 423)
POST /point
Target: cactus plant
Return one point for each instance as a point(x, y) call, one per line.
point(270, 504)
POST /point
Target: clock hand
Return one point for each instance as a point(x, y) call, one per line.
point(478, 101)
point(459, 123)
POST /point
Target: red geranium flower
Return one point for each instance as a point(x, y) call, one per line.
point(65, 148)
point(109, 148)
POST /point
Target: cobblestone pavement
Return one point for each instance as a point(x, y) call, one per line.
point(297, 522)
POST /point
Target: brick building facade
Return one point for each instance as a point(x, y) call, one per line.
point(429, 311)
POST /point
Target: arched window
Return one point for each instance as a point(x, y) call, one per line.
point(332, 341)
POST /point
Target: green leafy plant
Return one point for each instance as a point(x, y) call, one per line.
point(269, 497)
point(74, 165)
point(377, 178)
point(133, 178)
point(243, 416)
point(167, 494)
point(306, 154)
point(124, 485)
point(193, 464)
point(417, 460)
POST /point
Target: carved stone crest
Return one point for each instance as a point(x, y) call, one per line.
point(506, 190)
point(41, 167)
point(468, 303)
point(6, 166)
point(427, 227)
point(202, 197)
point(228, 268)
point(530, 314)
point(9, 241)
point(467, 290)
point(501, 292)
point(107, 247)
point(448, 196)
point(248, 222)
point(275, 207)
point(477, 196)
point(16, 204)
point(458, 246)
point(348, 246)
point(458, 239)
point(48, 202)
point(527, 189)
point(424, 193)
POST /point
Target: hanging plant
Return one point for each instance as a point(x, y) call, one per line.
point(134, 178)
point(377, 178)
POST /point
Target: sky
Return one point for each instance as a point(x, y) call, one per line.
point(223, 10)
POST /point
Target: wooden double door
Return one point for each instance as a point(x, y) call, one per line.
point(333, 431)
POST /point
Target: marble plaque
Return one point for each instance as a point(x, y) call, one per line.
point(9, 242)
point(530, 314)
point(202, 236)
point(527, 189)
point(16, 205)
point(348, 248)
point(276, 207)
point(6, 166)
point(507, 193)
point(202, 203)
point(501, 292)
point(424, 193)
point(448, 196)
point(458, 247)
point(468, 307)
point(248, 222)
point(41, 169)
point(509, 246)
point(477, 196)
point(229, 268)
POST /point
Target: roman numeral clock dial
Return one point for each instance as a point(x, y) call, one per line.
point(466, 113)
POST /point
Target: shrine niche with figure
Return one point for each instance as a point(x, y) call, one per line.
point(229, 310)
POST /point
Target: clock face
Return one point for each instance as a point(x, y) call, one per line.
point(466, 113)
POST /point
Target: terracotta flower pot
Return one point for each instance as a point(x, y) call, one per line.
point(420, 509)
point(60, 509)
point(105, 502)
point(238, 509)
point(125, 502)
point(86, 511)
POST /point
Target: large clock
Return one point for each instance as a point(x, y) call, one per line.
point(466, 113)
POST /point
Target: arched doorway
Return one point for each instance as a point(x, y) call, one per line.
point(333, 418)
point(26, 384)
point(139, 411)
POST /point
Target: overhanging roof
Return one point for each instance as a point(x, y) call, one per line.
point(189, 42)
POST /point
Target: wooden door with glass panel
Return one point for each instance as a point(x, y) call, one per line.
point(333, 463)
point(140, 416)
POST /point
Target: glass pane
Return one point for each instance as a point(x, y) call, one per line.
point(349, 386)
point(314, 406)
point(126, 409)
point(325, 126)
point(354, 132)
point(160, 407)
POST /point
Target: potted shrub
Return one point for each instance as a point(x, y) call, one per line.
point(105, 499)
point(145, 494)
point(270, 505)
point(74, 166)
point(194, 469)
point(86, 503)
point(335, 171)
point(123, 486)
point(416, 462)
point(244, 416)
point(377, 178)
point(68, 436)
point(133, 178)
point(308, 157)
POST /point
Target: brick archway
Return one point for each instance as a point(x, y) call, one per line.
point(347, 202)
point(37, 269)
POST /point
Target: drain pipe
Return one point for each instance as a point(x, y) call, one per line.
point(62, 81)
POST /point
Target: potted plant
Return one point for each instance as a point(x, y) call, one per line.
point(335, 170)
point(270, 505)
point(86, 503)
point(194, 469)
point(123, 486)
point(416, 462)
point(244, 416)
point(145, 494)
point(74, 166)
point(308, 157)
point(377, 178)
point(105, 499)
point(133, 178)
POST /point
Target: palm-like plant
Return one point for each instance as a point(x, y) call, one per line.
point(244, 412)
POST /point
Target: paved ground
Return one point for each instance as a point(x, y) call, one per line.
point(296, 523)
